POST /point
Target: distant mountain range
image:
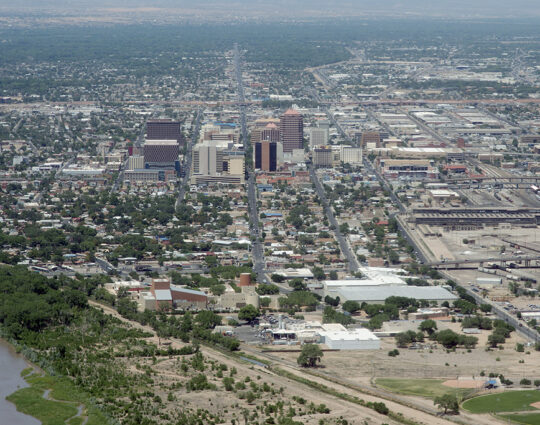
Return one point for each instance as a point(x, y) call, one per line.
point(306, 8)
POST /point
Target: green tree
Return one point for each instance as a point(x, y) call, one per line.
point(485, 308)
point(311, 355)
point(448, 402)
point(351, 306)
point(248, 313)
point(448, 338)
point(318, 273)
point(269, 289)
point(428, 326)
point(298, 285)
point(277, 278)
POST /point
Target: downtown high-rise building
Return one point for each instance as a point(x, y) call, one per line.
point(164, 129)
point(161, 153)
point(291, 127)
point(268, 155)
point(318, 137)
point(271, 133)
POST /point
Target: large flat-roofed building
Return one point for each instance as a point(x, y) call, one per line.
point(161, 153)
point(318, 136)
point(164, 296)
point(377, 295)
point(409, 169)
point(354, 339)
point(370, 138)
point(530, 139)
point(164, 129)
point(291, 127)
point(475, 217)
point(149, 175)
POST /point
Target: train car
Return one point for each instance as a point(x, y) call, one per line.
point(39, 269)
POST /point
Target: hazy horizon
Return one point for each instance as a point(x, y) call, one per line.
point(286, 8)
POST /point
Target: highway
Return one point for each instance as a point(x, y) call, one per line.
point(186, 165)
point(257, 252)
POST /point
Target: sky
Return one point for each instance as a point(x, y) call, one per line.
point(438, 8)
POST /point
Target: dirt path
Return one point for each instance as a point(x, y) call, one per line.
point(419, 410)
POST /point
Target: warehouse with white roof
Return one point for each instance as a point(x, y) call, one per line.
point(377, 294)
point(337, 337)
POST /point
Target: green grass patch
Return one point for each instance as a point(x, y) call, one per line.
point(66, 398)
point(31, 402)
point(528, 419)
point(428, 388)
point(510, 401)
point(27, 371)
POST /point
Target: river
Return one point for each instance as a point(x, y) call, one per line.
point(11, 366)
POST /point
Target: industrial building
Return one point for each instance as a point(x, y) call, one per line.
point(164, 296)
point(475, 216)
point(342, 339)
point(377, 294)
point(334, 335)
point(410, 169)
point(236, 300)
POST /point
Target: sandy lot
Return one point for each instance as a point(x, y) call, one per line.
point(464, 383)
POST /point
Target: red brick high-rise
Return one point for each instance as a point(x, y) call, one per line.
point(291, 127)
point(270, 133)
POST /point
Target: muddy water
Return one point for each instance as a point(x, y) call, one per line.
point(11, 366)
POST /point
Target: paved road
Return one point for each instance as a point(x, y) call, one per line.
point(346, 250)
point(186, 166)
point(256, 247)
point(486, 259)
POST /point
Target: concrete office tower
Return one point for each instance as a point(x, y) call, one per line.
point(207, 159)
point(322, 156)
point(351, 155)
point(270, 133)
point(161, 153)
point(135, 162)
point(215, 162)
point(318, 137)
point(291, 127)
point(164, 129)
point(268, 155)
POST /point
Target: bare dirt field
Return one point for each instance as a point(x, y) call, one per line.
point(464, 383)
